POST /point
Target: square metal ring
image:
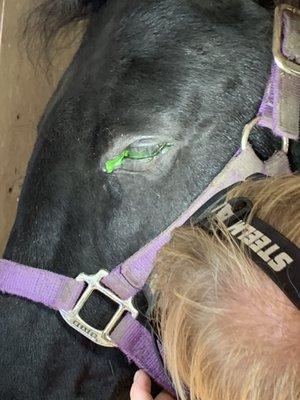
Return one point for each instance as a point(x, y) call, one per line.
point(101, 337)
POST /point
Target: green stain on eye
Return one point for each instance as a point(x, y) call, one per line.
point(134, 154)
point(115, 163)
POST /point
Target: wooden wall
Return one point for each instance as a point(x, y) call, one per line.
point(24, 91)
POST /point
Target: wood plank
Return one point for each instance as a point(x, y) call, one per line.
point(24, 92)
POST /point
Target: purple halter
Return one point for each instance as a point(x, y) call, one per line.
point(279, 111)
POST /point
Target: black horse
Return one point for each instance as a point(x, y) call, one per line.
point(173, 79)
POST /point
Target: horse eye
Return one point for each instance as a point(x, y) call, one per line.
point(142, 150)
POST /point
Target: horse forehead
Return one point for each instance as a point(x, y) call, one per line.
point(121, 100)
point(144, 26)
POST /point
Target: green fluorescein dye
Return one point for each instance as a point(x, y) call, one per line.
point(115, 163)
point(134, 154)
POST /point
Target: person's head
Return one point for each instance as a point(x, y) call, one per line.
point(228, 331)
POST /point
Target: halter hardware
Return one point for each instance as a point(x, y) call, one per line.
point(101, 337)
point(281, 60)
point(247, 130)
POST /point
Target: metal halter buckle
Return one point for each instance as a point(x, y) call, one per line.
point(247, 130)
point(283, 62)
point(101, 337)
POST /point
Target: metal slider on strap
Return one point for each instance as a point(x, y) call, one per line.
point(247, 131)
point(284, 63)
point(101, 337)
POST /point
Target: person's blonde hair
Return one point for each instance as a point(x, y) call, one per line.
point(228, 332)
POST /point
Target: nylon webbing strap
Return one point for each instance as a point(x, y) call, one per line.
point(280, 109)
point(53, 290)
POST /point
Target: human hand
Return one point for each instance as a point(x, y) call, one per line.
point(141, 388)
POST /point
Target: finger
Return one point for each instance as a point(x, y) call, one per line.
point(142, 380)
point(164, 396)
point(141, 387)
